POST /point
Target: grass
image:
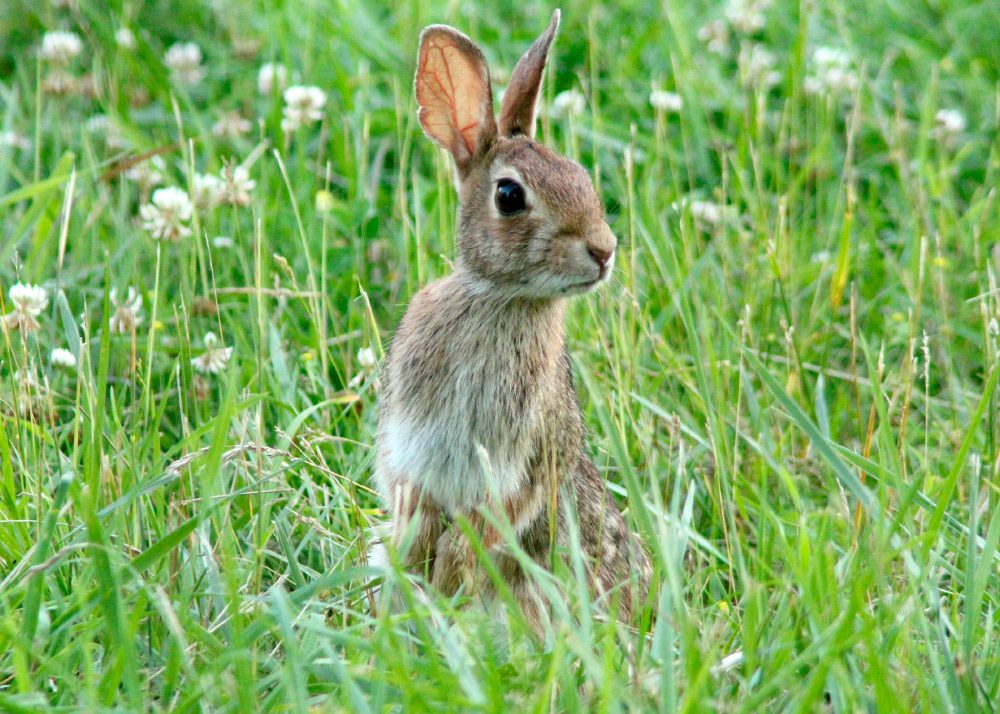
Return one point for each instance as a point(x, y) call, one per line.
point(797, 402)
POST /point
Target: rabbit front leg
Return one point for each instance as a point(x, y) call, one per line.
point(453, 562)
point(455, 558)
point(407, 505)
point(456, 566)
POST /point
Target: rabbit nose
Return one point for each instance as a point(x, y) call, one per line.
point(600, 255)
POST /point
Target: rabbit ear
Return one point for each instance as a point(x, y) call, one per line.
point(520, 101)
point(453, 94)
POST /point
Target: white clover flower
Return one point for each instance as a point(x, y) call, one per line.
point(98, 124)
point(664, 101)
point(236, 185)
point(949, 122)
point(367, 362)
point(757, 66)
point(826, 57)
point(88, 86)
point(366, 358)
point(812, 85)
point(147, 173)
point(167, 216)
point(303, 105)
point(207, 191)
point(27, 380)
point(707, 214)
point(60, 47)
point(715, 34)
point(58, 82)
point(215, 357)
point(246, 47)
point(747, 16)
point(28, 301)
point(128, 313)
point(271, 76)
point(184, 61)
point(31, 392)
point(567, 104)
point(232, 125)
point(14, 140)
point(62, 357)
point(103, 125)
point(832, 72)
point(125, 38)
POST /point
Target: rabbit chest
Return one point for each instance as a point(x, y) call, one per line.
point(468, 388)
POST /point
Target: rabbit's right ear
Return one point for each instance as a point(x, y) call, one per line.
point(520, 101)
point(454, 97)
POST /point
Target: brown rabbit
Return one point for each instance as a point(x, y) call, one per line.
point(478, 412)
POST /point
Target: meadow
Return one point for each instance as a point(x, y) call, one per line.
point(212, 215)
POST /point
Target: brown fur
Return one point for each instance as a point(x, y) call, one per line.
point(478, 412)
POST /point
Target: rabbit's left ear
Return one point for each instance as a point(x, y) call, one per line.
point(520, 101)
point(453, 94)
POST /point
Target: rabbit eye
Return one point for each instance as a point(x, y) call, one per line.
point(510, 197)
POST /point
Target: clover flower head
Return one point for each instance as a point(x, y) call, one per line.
point(715, 35)
point(236, 185)
point(60, 47)
point(147, 173)
point(28, 302)
point(14, 140)
point(271, 76)
point(62, 357)
point(707, 215)
point(207, 191)
point(567, 104)
point(232, 125)
point(215, 357)
point(949, 122)
point(167, 216)
point(747, 16)
point(128, 312)
point(303, 106)
point(184, 61)
point(58, 82)
point(664, 101)
point(125, 38)
point(832, 72)
point(757, 65)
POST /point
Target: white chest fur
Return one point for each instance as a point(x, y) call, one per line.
point(470, 444)
point(467, 384)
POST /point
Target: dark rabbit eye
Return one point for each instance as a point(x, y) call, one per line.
point(510, 197)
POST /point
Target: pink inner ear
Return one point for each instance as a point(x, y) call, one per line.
point(451, 92)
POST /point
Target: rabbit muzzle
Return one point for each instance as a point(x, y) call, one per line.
point(601, 248)
point(595, 261)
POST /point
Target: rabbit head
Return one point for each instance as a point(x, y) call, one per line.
point(530, 222)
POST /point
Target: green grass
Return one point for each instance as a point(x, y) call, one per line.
point(798, 405)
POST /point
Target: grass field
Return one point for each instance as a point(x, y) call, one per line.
point(791, 381)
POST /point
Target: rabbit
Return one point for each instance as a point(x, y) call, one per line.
point(478, 413)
